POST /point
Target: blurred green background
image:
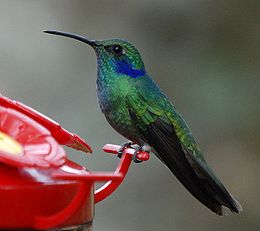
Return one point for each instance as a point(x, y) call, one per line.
point(203, 53)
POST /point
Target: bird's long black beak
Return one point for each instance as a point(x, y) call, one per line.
point(74, 36)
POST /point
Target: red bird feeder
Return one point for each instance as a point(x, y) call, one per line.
point(40, 188)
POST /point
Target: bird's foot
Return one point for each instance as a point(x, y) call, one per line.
point(123, 147)
point(141, 152)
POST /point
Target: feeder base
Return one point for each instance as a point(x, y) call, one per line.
point(84, 227)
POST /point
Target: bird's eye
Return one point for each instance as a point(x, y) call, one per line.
point(116, 50)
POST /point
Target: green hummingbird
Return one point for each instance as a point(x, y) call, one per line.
point(135, 106)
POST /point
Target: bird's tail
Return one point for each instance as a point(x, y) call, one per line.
point(196, 176)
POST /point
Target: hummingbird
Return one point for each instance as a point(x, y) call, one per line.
point(136, 107)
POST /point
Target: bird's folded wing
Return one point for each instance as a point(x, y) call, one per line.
point(176, 147)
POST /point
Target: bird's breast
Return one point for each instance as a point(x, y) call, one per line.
point(112, 92)
point(112, 98)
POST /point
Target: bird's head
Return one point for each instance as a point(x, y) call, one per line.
point(114, 55)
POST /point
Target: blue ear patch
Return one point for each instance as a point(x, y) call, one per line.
point(122, 67)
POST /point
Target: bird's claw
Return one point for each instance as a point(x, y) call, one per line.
point(135, 156)
point(123, 147)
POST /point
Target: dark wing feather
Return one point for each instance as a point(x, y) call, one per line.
point(190, 171)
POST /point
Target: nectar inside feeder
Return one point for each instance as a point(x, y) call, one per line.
point(40, 188)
